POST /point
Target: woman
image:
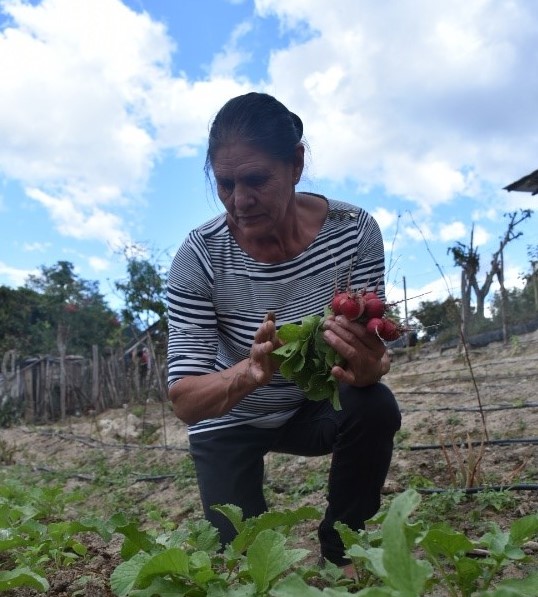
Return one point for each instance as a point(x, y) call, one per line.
point(275, 250)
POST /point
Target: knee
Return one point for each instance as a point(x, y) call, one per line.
point(374, 406)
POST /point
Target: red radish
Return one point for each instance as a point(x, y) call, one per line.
point(375, 325)
point(385, 328)
point(352, 307)
point(368, 296)
point(374, 307)
point(390, 331)
point(336, 303)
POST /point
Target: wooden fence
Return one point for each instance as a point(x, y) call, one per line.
point(46, 388)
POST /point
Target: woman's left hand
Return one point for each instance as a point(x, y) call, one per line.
point(365, 355)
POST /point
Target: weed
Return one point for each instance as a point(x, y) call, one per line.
point(436, 506)
point(496, 500)
point(401, 436)
point(7, 453)
point(466, 469)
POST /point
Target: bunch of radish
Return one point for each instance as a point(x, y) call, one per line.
point(306, 359)
point(369, 309)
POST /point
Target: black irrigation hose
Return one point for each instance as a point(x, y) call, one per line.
point(480, 488)
point(469, 408)
point(492, 442)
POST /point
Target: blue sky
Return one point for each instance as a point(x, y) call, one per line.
point(419, 111)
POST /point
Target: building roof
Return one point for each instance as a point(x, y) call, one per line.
point(527, 184)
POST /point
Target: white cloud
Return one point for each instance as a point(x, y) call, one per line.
point(88, 103)
point(437, 290)
point(452, 231)
point(16, 277)
point(90, 223)
point(427, 99)
point(98, 264)
point(480, 236)
point(225, 63)
point(384, 217)
point(38, 247)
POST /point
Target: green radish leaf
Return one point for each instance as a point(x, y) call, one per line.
point(307, 359)
point(404, 572)
point(288, 350)
point(123, 578)
point(272, 520)
point(372, 559)
point(163, 587)
point(516, 587)
point(524, 529)
point(291, 366)
point(170, 561)
point(233, 513)
point(22, 577)
point(447, 542)
point(294, 586)
point(268, 558)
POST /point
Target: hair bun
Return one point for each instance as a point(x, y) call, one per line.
point(298, 124)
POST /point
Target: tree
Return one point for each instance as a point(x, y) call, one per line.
point(22, 320)
point(438, 318)
point(144, 290)
point(518, 306)
point(468, 259)
point(75, 312)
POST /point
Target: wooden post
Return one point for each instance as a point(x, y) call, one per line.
point(95, 378)
point(534, 275)
point(406, 316)
point(62, 349)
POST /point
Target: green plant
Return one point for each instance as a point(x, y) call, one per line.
point(411, 558)
point(436, 506)
point(497, 500)
point(7, 452)
point(189, 561)
point(402, 435)
point(32, 538)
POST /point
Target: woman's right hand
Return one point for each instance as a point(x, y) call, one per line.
point(262, 365)
point(198, 397)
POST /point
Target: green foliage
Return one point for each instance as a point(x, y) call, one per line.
point(400, 555)
point(519, 306)
point(33, 538)
point(55, 305)
point(143, 291)
point(438, 318)
point(412, 558)
point(307, 359)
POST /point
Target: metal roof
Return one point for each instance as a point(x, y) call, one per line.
point(527, 184)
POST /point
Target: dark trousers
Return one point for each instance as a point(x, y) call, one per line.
point(230, 466)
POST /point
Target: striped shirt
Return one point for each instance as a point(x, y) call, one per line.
point(218, 296)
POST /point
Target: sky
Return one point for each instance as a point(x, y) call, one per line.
point(420, 112)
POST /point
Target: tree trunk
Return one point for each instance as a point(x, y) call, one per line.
point(465, 306)
point(500, 276)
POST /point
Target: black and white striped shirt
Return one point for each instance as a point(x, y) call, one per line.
point(218, 297)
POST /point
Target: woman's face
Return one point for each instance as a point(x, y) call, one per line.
point(255, 188)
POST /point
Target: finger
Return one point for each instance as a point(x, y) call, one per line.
point(342, 375)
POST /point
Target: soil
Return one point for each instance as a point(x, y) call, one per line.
point(481, 406)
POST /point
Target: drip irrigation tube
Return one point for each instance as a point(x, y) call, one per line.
point(480, 488)
point(470, 408)
point(493, 442)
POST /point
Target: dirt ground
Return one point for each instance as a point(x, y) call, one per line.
point(447, 399)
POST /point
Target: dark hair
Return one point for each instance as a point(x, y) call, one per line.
point(257, 119)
